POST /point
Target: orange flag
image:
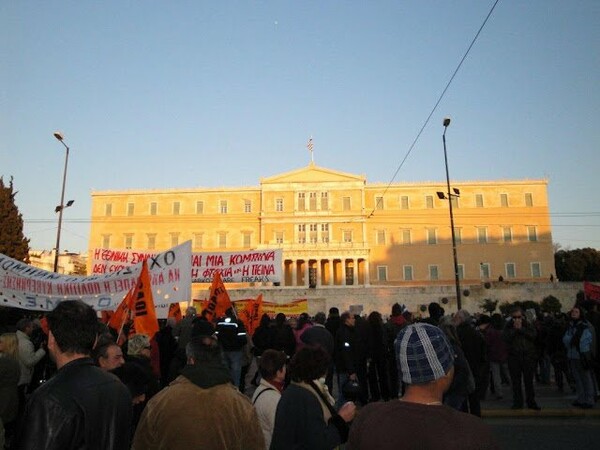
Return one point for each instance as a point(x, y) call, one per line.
point(218, 301)
point(105, 316)
point(175, 311)
point(120, 317)
point(142, 305)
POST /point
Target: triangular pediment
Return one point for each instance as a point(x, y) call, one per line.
point(313, 174)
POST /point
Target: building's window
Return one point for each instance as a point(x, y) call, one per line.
point(247, 206)
point(325, 232)
point(223, 206)
point(198, 240)
point(380, 237)
point(279, 204)
point(129, 241)
point(482, 235)
point(511, 271)
point(528, 199)
point(379, 202)
point(199, 207)
point(429, 201)
point(479, 200)
point(507, 234)
point(434, 273)
point(279, 237)
point(176, 208)
point(347, 236)
point(484, 270)
point(346, 206)
point(406, 239)
point(246, 239)
point(504, 200)
point(536, 270)
point(461, 271)
point(431, 236)
point(108, 209)
point(153, 208)
point(313, 228)
point(458, 235)
point(324, 201)
point(106, 241)
point(130, 209)
point(151, 244)
point(532, 234)
point(408, 273)
point(301, 201)
point(404, 202)
point(302, 233)
point(174, 239)
point(222, 238)
point(312, 201)
point(382, 273)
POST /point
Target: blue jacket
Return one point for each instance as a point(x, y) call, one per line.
point(585, 343)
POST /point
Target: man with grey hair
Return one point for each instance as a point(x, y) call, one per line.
point(419, 419)
point(202, 394)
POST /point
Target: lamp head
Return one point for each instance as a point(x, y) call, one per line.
point(446, 121)
point(441, 195)
point(58, 135)
point(70, 203)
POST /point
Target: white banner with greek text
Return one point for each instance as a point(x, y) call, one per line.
point(24, 286)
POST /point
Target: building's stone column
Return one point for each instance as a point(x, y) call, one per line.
point(331, 280)
point(306, 272)
point(355, 270)
point(294, 268)
point(367, 276)
point(318, 272)
point(343, 271)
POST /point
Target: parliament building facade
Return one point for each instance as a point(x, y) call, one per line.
point(336, 229)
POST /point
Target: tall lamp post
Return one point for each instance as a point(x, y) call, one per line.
point(59, 209)
point(454, 193)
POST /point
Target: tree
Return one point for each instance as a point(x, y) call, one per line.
point(13, 242)
point(581, 264)
point(488, 305)
point(550, 305)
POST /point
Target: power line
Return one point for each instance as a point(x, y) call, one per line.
point(410, 149)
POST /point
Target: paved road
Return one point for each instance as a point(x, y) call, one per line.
point(530, 433)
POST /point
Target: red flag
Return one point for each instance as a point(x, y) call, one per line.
point(44, 325)
point(219, 301)
point(175, 312)
point(105, 316)
point(142, 305)
point(591, 291)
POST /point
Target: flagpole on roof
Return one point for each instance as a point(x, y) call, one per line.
point(310, 147)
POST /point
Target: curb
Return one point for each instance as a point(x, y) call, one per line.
point(545, 412)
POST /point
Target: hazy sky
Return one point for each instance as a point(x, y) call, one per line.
point(220, 93)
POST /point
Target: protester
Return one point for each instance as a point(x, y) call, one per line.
point(332, 324)
point(419, 420)
point(283, 336)
point(318, 335)
point(578, 340)
point(519, 336)
point(346, 354)
point(304, 323)
point(475, 350)
point(496, 351)
point(109, 356)
point(167, 346)
point(183, 330)
point(9, 380)
point(306, 418)
point(391, 329)
point(378, 371)
point(28, 356)
point(272, 369)
point(201, 408)
point(233, 340)
point(81, 406)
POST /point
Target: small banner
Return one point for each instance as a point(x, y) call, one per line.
point(591, 291)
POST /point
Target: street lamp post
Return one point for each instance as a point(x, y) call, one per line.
point(59, 209)
point(450, 195)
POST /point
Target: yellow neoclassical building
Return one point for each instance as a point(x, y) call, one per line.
point(336, 229)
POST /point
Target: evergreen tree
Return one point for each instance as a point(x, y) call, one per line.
point(12, 240)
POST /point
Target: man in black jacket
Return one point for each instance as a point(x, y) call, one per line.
point(345, 354)
point(81, 406)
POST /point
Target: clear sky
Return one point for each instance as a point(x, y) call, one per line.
point(221, 93)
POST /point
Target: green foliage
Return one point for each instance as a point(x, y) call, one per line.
point(488, 305)
point(12, 240)
point(551, 305)
point(582, 264)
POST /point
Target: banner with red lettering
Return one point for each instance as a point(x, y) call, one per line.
point(591, 291)
point(27, 287)
point(218, 299)
point(253, 266)
point(290, 309)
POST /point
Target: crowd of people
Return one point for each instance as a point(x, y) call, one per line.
point(296, 383)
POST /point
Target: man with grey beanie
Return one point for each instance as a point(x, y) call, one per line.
point(419, 420)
